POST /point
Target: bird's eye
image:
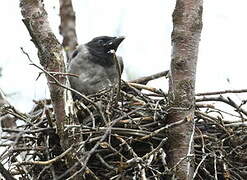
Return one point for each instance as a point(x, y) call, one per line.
point(101, 42)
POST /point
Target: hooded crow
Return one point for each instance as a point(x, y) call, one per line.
point(95, 66)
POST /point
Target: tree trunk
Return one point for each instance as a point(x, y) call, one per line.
point(187, 25)
point(67, 27)
point(50, 54)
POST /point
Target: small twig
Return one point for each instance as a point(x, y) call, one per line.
point(89, 154)
point(221, 92)
point(116, 152)
point(128, 147)
point(65, 87)
point(108, 166)
point(122, 131)
point(156, 149)
point(138, 92)
point(46, 162)
point(163, 159)
point(224, 100)
point(21, 149)
point(139, 119)
point(60, 74)
point(215, 167)
point(149, 78)
point(89, 171)
point(198, 166)
point(152, 89)
point(6, 174)
point(77, 103)
point(163, 128)
point(27, 131)
point(190, 152)
point(204, 105)
point(176, 165)
point(211, 119)
point(237, 124)
point(133, 98)
point(43, 170)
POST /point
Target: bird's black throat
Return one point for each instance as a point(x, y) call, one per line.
point(100, 49)
point(99, 56)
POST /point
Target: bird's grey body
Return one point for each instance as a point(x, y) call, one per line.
point(95, 71)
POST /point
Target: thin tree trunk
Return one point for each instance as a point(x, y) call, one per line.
point(67, 27)
point(187, 25)
point(50, 54)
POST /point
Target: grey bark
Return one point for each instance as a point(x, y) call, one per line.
point(50, 53)
point(187, 26)
point(67, 27)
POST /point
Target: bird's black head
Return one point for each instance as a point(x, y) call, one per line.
point(100, 47)
point(105, 43)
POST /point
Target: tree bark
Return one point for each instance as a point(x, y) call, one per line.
point(187, 26)
point(50, 54)
point(67, 27)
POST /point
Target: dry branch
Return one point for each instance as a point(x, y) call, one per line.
point(146, 79)
point(222, 92)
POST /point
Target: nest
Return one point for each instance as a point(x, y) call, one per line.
point(121, 134)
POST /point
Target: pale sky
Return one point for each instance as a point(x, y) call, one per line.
point(147, 26)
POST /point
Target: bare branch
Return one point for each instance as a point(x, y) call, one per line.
point(5, 173)
point(59, 157)
point(144, 80)
point(222, 92)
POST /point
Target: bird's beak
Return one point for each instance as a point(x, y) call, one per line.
point(114, 43)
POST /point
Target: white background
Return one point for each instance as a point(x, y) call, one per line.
point(147, 26)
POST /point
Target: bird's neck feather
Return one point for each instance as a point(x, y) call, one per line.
point(101, 57)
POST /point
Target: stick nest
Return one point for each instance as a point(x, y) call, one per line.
point(122, 135)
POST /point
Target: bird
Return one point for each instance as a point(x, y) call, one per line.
point(95, 65)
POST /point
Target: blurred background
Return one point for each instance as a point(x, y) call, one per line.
point(147, 26)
